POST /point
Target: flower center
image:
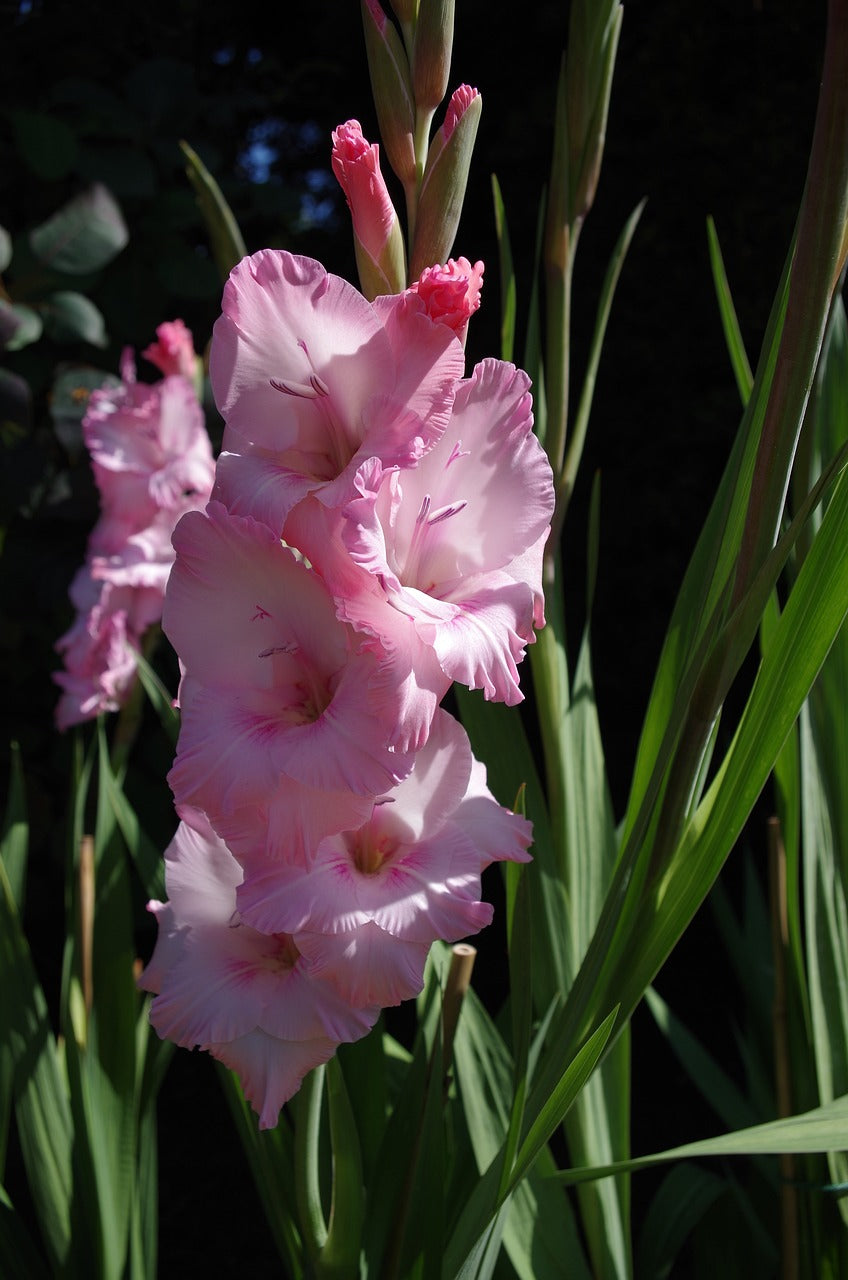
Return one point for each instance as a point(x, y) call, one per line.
point(281, 954)
point(426, 536)
point(369, 850)
point(327, 462)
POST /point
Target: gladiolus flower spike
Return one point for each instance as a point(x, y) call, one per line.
point(376, 532)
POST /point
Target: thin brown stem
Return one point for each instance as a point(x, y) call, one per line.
point(782, 1069)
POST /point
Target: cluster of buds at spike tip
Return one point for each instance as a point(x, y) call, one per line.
point(378, 240)
point(409, 79)
point(445, 179)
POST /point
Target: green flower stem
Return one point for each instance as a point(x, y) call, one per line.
point(421, 143)
point(552, 696)
point(130, 714)
point(815, 272)
point(559, 266)
point(307, 1189)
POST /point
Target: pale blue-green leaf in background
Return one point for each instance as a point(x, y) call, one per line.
point(71, 317)
point(84, 235)
point(21, 325)
point(5, 248)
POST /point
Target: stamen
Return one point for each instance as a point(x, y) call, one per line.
point(445, 513)
point(457, 452)
point(305, 390)
point(291, 647)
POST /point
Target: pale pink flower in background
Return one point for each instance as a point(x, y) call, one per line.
point(245, 996)
point(274, 683)
point(366, 909)
point(376, 228)
point(173, 351)
point(152, 462)
point(451, 293)
point(454, 544)
point(149, 449)
point(311, 379)
point(100, 648)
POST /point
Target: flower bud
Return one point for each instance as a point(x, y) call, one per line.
point(388, 67)
point(593, 41)
point(445, 179)
point(431, 54)
point(378, 240)
point(451, 293)
point(173, 350)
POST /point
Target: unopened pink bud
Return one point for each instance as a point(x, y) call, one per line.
point(451, 293)
point(173, 352)
point(460, 101)
point(445, 177)
point(376, 229)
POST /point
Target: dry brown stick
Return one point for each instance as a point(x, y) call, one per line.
point(783, 1080)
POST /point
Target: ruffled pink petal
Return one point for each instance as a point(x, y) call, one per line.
point(223, 760)
point(497, 833)
point(200, 873)
point(253, 485)
point(437, 783)
point(290, 822)
point(430, 362)
point(479, 639)
point(271, 1071)
point(170, 944)
point(273, 603)
point(367, 966)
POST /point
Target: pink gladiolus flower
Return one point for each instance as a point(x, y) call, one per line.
point(244, 996)
point(367, 907)
point(275, 684)
point(451, 293)
point(173, 351)
point(454, 544)
point(311, 380)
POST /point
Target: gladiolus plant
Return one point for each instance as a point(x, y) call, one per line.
point(372, 701)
